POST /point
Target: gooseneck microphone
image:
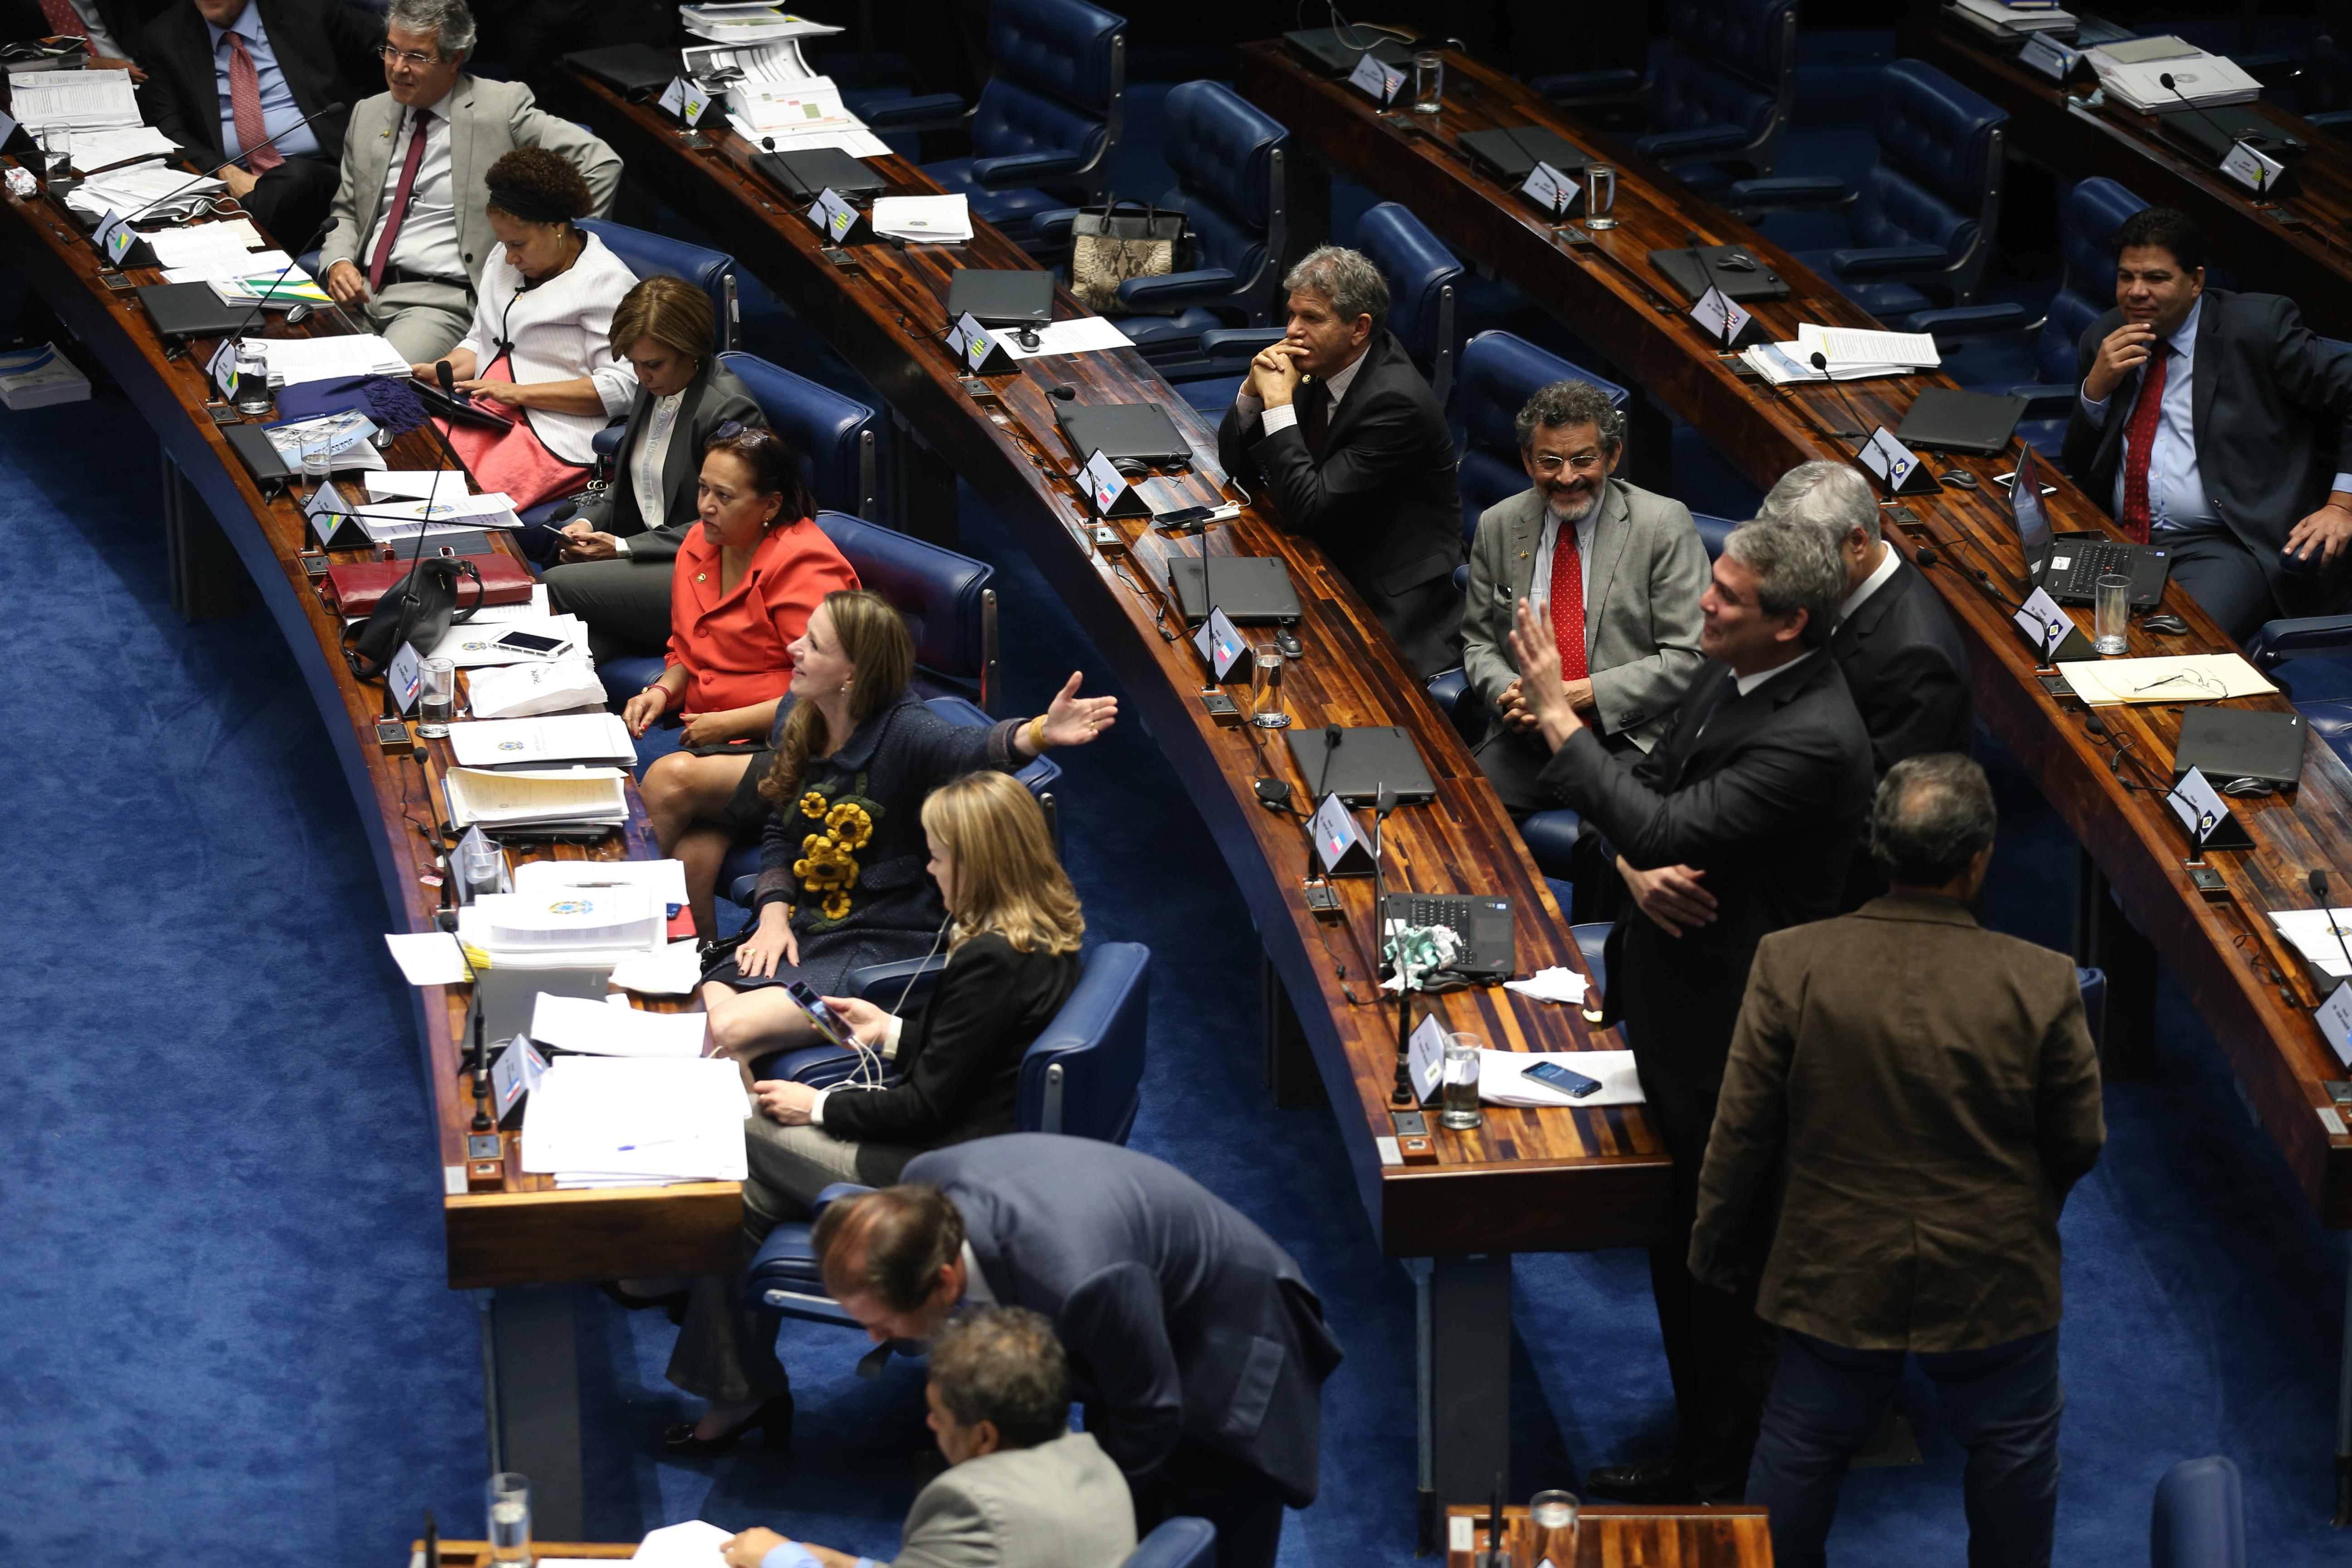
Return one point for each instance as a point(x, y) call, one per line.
point(335, 108)
point(2165, 81)
point(1822, 364)
point(2318, 881)
point(482, 1123)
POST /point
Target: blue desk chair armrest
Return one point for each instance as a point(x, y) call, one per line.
point(1023, 169)
point(1888, 260)
point(2278, 641)
point(1550, 837)
point(916, 113)
point(1180, 1542)
point(607, 441)
point(1698, 142)
point(2046, 400)
point(1083, 1075)
point(1970, 321)
point(2200, 1517)
point(1590, 87)
point(1450, 689)
point(881, 983)
point(1244, 341)
point(1791, 191)
point(1053, 222)
point(1174, 292)
point(2330, 119)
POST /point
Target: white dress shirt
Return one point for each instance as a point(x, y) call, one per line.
point(1749, 683)
point(428, 237)
point(1879, 577)
point(561, 330)
point(279, 110)
point(650, 456)
point(1286, 416)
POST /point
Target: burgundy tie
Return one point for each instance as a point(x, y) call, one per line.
point(244, 107)
point(65, 22)
point(1567, 604)
point(2139, 437)
point(399, 213)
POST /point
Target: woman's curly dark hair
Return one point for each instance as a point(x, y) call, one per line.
point(539, 186)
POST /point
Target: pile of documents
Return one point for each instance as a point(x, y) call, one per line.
point(2132, 73)
point(766, 63)
point(597, 923)
point(2187, 678)
point(293, 361)
point(627, 1121)
point(524, 690)
point(745, 24)
point(77, 99)
point(104, 149)
point(614, 1028)
point(1996, 20)
point(800, 113)
point(939, 220)
point(471, 646)
point(597, 738)
point(154, 195)
point(1851, 353)
point(222, 254)
point(544, 798)
point(348, 435)
point(391, 522)
point(34, 378)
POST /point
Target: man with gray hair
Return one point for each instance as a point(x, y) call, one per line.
point(1909, 1098)
point(411, 231)
point(1741, 822)
point(1336, 425)
point(1616, 573)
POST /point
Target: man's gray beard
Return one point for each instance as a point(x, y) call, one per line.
point(1591, 499)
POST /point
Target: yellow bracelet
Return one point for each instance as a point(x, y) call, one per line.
point(1038, 735)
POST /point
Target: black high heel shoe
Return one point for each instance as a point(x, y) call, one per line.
point(774, 1419)
point(672, 1305)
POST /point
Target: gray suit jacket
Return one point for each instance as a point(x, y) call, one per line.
point(1640, 611)
point(1061, 1504)
point(486, 121)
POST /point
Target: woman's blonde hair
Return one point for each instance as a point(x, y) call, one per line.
point(671, 311)
point(880, 648)
point(1007, 877)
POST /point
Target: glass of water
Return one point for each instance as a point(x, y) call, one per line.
point(1428, 81)
point(437, 699)
point(509, 1500)
point(1265, 688)
point(480, 866)
point(318, 458)
point(2111, 615)
point(1459, 1108)
point(57, 157)
point(1553, 1514)
point(1600, 196)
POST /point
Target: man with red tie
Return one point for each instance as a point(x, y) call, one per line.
point(252, 79)
point(2217, 424)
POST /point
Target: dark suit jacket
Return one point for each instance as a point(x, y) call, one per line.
point(713, 397)
point(2271, 412)
point(1382, 503)
point(326, 48)
point(1905, 670)
point(959, 1059)
point(1184, 1322)
point(1918, 1093)
point(1767, 799)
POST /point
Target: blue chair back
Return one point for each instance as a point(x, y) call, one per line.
point(646, 254)
point(2201, 1517)
point(2094, 209)
point(1937, 178)
point(1180, 1542)
point(1712, 532)
point(1059, 86)
point(947, 598)
point(834, 435)
point(1500, 370)
point(1423, 277)
point(1083, 1075)
point(1228, 160)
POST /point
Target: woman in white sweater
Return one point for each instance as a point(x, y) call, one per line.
point(540, 346)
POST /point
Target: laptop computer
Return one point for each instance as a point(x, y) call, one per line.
point(1950, 420)
point(2069, 570)
point(1512, 151)
point(1337, 53)
point(1489, 950)
point(192, 311)
point(808, 172)
point(1248, 588)
point(2215, 129)
point(1140, 431)
point(1002, 298)
point(1734, 268)
point(2241, 750)
point(1365, 761)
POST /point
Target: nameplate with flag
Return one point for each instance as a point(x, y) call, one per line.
point(2046, 55)
point(404, 678)
point(1220, 642)
point(1721, 315)
point(1380, 82)
point(2335, 1020)
point(833, 215)
point(978, 347)
point(1425, 1054)
point(686, 99)
point(2252, 168)
point(222, 367)
point(2045, 626)
point(1113, 495)
point(119, 243)
point(1550, 190)
point(1340, 843)
point(2202, 811)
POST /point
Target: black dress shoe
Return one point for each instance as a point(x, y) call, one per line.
point(774, 1420)
point(1651, 1481)
point(672, 1305)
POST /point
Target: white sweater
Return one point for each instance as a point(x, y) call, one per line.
point(560, 331)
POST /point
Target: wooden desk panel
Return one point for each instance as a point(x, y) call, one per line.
point(2223, 950)
point(527, 1232)
point(2054, 125)
point(1610, 1536)
point(1528, 1181)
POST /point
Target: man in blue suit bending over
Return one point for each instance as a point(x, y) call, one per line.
point(1195, 1347)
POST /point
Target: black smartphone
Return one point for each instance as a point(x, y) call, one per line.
point(828, 1023)
point(1575, 1085)
point(1184, 520)
point(533, 642)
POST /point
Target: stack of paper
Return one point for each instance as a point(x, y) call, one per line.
point(348, 435)
point(618, 1121)
point(555, 738)
point(2190, 678)
point(942, 220)
point(293, 361)
point(743, 23)
point(277, 288)
point(694, 1545)
point(566, 797)
point(1999, 21)
point(471, 646)
point(77, 99)
point(612, 913)
point(2320, 935)
point(1851, 353)
point(387, 520)
point(1551, 986)
point(34, 378)
point(220, 249)
point(97, 149)
point(522, 691)
point(2198, 81)
point(664, 881)
point(154, 195)
point(800, 113)
point(596, 1028)
point(778, 61)
point(674, 971)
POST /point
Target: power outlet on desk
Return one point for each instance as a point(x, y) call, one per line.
point(838, 257)
point(392, 734)
point(2208, 881)
point(1322, 900)
point(224, 414)
point(2282, 217)
point(1108, 538)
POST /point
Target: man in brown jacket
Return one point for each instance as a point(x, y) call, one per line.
point(1908, 1099)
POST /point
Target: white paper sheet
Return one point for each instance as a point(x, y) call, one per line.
point(84, 100)
point(1854, 345)
point(598, 1120)
point(694, 1545)
point(1080, 335)
point(469, 645)
point(2185, 678)
point(428, 957)
point(577, 1023)
point(664, 879)
point(1550, 985)
point(941, 220)
point(674, 971)
point(1501, 1079)
point(550, 738)
point(2313, 931)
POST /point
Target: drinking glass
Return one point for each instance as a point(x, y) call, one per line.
point(318, 458)
point(1459, 1108)
point(480, 865)
point(1553, 1514)
point(1428, 81)
point(437, 699)
point(57, 158)
point(1265, 688)
point(510, 1532)
point(2112, 622)
point(252, 379)
point(1600, 196)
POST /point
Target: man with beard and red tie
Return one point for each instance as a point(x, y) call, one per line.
point(2217, 424)
point(1615, 572)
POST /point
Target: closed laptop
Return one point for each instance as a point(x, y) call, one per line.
point(1139, 431)
point(1512, 151)
point(1947, 419)
point(1734, 268)
point(1246, 587)
point(2241, 750)
point(1364, 762)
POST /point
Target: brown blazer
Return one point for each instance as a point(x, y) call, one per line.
point(1916, 1094)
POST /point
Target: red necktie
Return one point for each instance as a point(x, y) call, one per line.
point(1568, 602)
point(65, 22)
point(244, 108)
point(2139, 437)
point(399, 213)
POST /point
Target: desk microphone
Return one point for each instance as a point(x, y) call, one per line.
point(2165, 82)
point(1822, 364)
point(1065, 392)
point(417, 754)
point(335, 108)
point(482, 1123)
point(2318, 880)
point(1926, 555)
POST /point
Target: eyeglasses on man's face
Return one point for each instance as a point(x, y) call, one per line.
point(395, 56)
point(1583, 463)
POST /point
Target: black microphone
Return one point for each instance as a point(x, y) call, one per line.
point(334, 108)
point(1822, 364)
point(2318, 880)
point(1965, 543)
point(1065, 392)
point(482, 1123)
point(447, 378)
point(2165, 81)
point(418, 753)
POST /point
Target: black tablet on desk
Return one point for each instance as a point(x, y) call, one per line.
point(486, 412)
point(2242, 747)
point(1947, 419)
point(1249, 588)
point(808, 172)
point(636, 71)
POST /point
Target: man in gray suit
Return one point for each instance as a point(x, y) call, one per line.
point(1197, 1348)
point(1616, 571)
point(409, 234)
point(1022, 1489)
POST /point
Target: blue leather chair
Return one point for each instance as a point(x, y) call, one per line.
point(2199, 1520)
point(1721, 93)
point(1180, 1542)
point(949, 601)
point(2274, 643)
point(1923, 224)
point(648, 254)
point(1500, 370)
point(1228, 159)
point(1423, 277)
point(1049, 116)
point(834, 435)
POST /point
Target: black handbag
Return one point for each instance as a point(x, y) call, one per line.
point(1117, 241)
point(421, 611)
